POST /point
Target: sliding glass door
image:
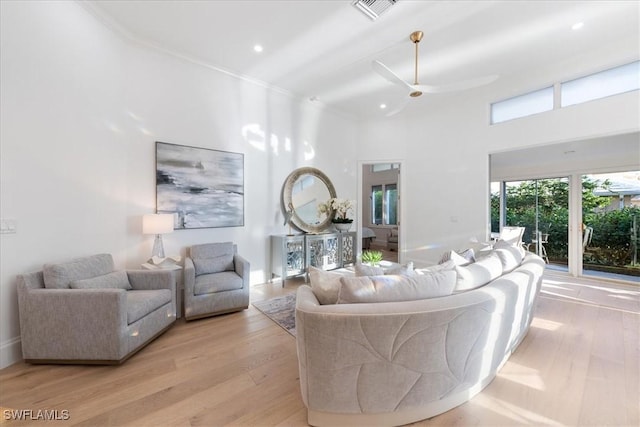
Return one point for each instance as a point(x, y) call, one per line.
point(611, 225)
point(542, 207)
point(605, 219)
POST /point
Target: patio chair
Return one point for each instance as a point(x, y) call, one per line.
point(586, 238)
point(539, 242)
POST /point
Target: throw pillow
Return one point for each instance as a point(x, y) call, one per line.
point(393, 288)
point(479, 247)
point(503, 244)
point(510, 257)
point(212, 250)
point(59, 276)
point(460, 258)
point(325, 285)
point(448, 265)
point(402, 270)
point(115, 280)
point(213, 265)
point(478, 274)
point(368, 270)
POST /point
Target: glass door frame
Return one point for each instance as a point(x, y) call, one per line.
point(575, 220)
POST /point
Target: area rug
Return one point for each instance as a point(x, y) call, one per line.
point(281, 310)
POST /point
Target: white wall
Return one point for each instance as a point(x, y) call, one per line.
point(81, 111)
point(446, 142)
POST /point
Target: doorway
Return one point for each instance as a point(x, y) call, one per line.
point(380, 213)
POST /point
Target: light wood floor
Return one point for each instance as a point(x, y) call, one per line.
point(578, 366)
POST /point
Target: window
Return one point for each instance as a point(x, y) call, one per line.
point(384, 204)
point(624, 78)
point(522, 105)
point(380, 167)
point(600, 85)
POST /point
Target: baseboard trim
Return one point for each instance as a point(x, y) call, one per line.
point(10, 352)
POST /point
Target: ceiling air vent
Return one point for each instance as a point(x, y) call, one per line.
point(373, 8)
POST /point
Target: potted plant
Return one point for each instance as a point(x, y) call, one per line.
point(372, 258)
point(340, 208)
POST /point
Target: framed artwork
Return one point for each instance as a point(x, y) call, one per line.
point(203, 188)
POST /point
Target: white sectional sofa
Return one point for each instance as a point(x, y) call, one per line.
point(393, 363)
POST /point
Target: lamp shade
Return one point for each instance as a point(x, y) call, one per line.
point(157, 223)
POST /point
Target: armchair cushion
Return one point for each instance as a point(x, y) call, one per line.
point(115, 280)
point(213, 265)
point(59, 276)
point(213, 257)
point(217, 282)
point(141, 303)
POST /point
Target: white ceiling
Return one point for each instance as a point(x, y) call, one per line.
point(324, 49)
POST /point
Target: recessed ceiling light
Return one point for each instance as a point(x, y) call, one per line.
point(258, 48)
point(577, 25)
point(383, 106)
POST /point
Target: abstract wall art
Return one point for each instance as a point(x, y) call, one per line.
point(203, 188)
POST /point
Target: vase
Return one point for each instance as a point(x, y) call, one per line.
point(342, 226)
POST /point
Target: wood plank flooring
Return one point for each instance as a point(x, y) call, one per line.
point(578, 366)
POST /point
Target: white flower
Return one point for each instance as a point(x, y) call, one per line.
point(342, 207)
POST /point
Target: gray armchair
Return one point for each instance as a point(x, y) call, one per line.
point(84, 311)
point(216, 280)
point(392, 239)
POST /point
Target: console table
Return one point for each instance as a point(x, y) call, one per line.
point(292, 254)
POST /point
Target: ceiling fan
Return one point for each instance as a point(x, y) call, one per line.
point(416, 89)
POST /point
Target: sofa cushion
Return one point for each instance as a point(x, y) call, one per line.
point(325, 285)
point(115, 280)
point(217, 282)
point(459, 258)
point(213, 257)
point(213, 265)
point(394, 288)
point(141, 303)
point(479, 273)
point(59, 276)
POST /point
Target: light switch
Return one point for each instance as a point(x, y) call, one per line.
point(8, 226)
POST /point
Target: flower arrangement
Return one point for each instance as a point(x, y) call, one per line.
point(342, 207)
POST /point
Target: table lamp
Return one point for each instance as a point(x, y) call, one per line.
point(157, 224)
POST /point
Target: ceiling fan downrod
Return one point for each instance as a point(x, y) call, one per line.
point(415, 37)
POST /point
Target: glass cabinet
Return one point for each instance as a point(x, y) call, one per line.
point(292, 254)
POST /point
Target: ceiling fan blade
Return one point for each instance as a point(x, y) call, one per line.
point(457, 86)
point(385, 72)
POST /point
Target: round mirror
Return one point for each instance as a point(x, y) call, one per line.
point(304, 189)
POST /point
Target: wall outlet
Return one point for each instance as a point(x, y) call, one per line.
point(8, 226)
